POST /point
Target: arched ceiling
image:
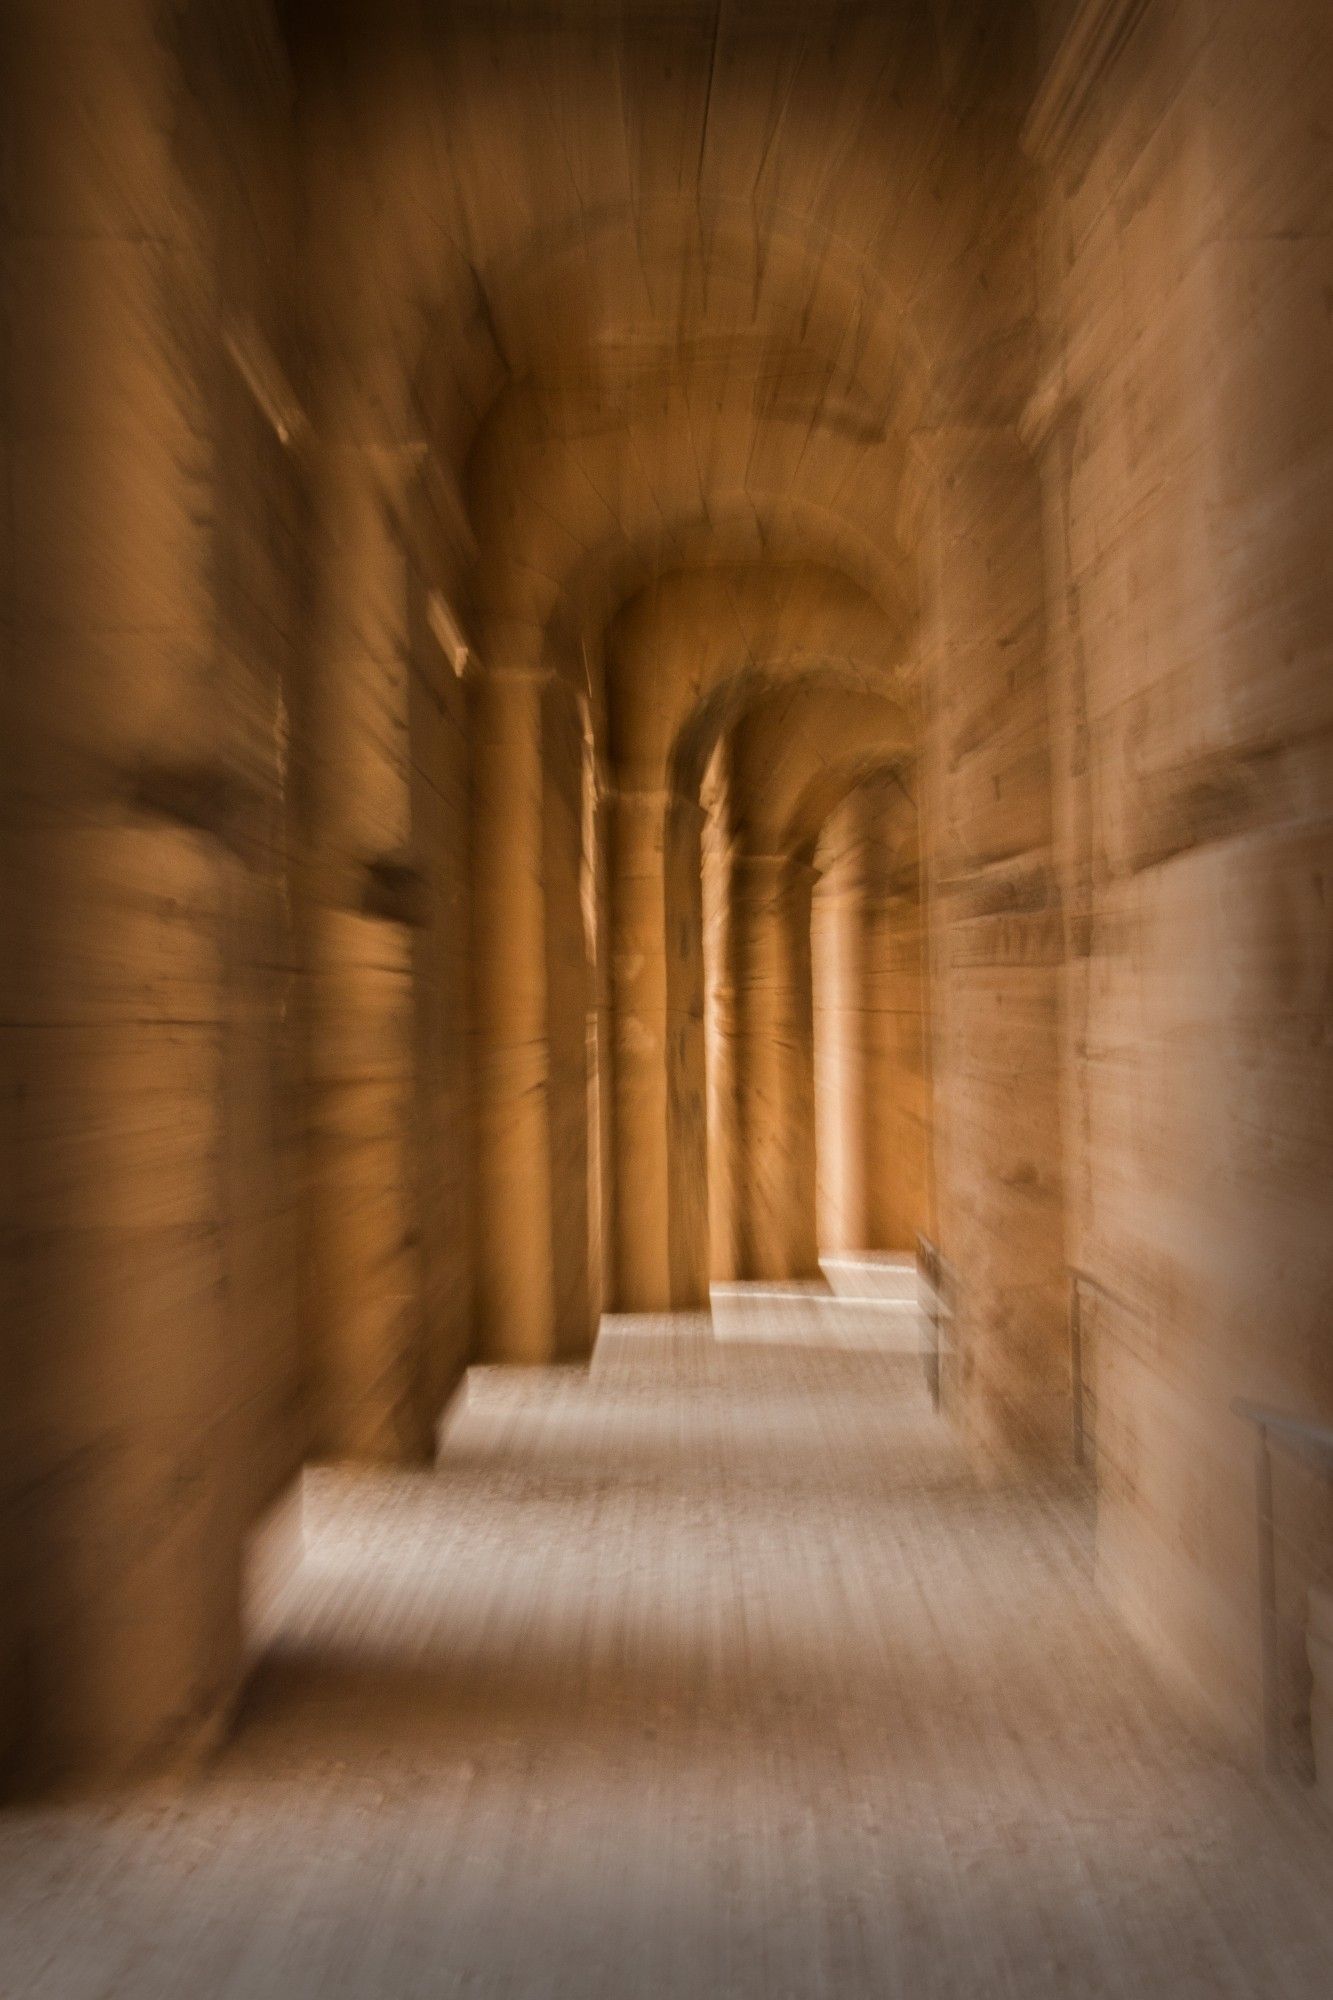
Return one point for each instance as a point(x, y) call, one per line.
point(540, 189)
point(798, 749)
point(671, 283)
point(590, 473)
point(692, 649)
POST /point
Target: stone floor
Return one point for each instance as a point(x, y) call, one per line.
point(714, 1672)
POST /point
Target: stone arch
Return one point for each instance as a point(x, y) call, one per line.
point(796, 750)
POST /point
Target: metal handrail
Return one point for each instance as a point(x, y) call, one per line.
point(1085, 1277)
point(1077, 1399)
point(932, 1266)
point(1299, 1432)
point(1315, 1440)
point(1076, 1278)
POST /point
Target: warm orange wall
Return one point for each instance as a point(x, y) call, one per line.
point(1187, 461)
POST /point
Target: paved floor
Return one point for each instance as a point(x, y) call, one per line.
point(713, 1672)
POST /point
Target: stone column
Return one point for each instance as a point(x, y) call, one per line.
point(661, 1177)
point(842, 1108)
point(891, 999)
point(443, 1153)
point(996, 944)
point(719, 1024)
point(798, 1047)
point(533, 1293)
point(601, 1031)
point(772, 999)
point(127, 809)
point(569, 994)
point(364, 1301)
point(1050, 431)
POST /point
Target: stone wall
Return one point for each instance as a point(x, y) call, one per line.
point(470, 561)
point(153, 612)
point(183, 897)
point(441, 847)
point(1186, 438)
point(995, 947)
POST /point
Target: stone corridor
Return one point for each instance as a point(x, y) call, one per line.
point(715, 1670)
point(664, 662)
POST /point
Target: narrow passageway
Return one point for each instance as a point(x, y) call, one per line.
point(716, 1669)
point(665, 667)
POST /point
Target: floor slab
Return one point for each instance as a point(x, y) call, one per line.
point(715, 1669)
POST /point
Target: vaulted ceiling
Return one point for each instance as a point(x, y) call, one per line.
point(667, 288)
